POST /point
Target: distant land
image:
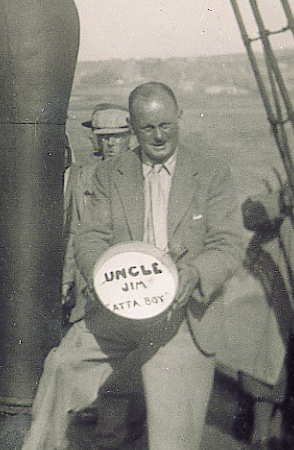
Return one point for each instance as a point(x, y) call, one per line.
point(214, 75)
point(218, 94)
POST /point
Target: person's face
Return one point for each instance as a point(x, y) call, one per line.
point(156, 124)
point(109, 145)
point(114, 144)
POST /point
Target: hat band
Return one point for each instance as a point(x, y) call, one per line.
point(115, 128)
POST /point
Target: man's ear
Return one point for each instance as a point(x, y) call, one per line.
point(130, 125)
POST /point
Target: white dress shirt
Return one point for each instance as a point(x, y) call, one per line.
point(157, 185)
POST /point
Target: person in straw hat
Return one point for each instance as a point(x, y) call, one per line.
point(110, 136)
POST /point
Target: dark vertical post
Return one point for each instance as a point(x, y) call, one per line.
point(38, 51)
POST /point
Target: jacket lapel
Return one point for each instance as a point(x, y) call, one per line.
point(130, 187)
point(184, 184)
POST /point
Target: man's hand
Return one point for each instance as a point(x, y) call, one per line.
point(188, 281)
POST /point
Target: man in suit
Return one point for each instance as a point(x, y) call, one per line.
point(110, 136)
point(183, 203)
point(194, 221)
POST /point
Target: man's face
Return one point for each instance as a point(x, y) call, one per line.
point(155, 122)
point(109, 145)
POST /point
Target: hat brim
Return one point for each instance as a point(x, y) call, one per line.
point(111, 130)
point(88, 124)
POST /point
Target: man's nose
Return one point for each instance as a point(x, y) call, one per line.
point(158, 133)
point(111, 141)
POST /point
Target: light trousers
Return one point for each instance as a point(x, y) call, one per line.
point(177, 383)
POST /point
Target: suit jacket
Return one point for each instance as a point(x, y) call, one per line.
point(203, 217)
point(77, 193)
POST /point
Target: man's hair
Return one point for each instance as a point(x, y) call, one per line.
point(148, 91)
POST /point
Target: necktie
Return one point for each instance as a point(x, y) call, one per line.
point(157, 220)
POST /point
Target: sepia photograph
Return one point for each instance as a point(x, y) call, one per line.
point(147, 225)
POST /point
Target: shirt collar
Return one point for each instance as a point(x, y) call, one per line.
point(169, 165)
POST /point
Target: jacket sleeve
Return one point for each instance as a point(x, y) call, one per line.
point(224, 240)
point(94, 231)
point(69, 265)
point(79, 193)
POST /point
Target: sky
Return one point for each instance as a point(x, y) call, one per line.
point(123, 29)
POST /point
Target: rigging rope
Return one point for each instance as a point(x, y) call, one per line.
point(277, 102)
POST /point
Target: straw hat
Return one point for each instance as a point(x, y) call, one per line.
point(108, 118)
